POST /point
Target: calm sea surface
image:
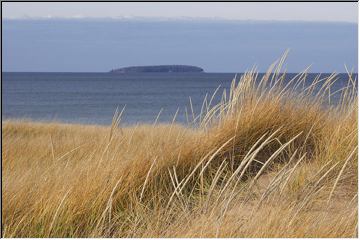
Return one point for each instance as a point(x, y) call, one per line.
point(92, 98)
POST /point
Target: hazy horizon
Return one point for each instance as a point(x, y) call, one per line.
point(284, 11)
point(137, 18)
point(216, 36)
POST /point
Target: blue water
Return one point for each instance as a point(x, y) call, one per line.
point(92, 98)
point(98, 45)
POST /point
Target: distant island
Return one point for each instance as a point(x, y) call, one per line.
point(158, 68)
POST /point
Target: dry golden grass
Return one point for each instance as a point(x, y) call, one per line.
point(269, 160)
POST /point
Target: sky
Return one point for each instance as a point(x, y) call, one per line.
point(346, 12)
point(78, 37)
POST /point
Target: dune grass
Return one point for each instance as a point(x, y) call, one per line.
point(271, 159)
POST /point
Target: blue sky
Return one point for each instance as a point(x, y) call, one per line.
point(221, 37)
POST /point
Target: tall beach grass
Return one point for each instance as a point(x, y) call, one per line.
point(272, 159)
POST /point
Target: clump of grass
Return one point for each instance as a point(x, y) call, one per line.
point(272, 159)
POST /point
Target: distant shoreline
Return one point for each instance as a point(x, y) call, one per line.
point(158, 69)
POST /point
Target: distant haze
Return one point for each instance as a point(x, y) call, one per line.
point(301, 11)
point(99, 45)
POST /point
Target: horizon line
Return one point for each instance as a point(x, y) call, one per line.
point(176, 72)
point(170, 19)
